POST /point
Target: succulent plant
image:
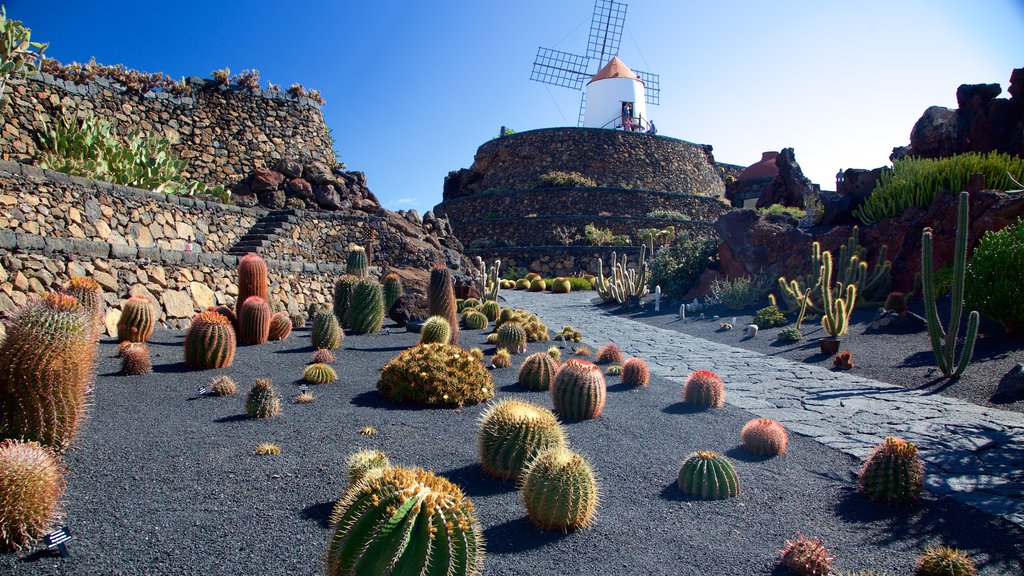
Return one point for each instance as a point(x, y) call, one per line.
point(365, 462)
point(135, 360)
point(366, 311)
point(209, 342)
point(322, 356)
point(491, 309)
point(789, 335)
point(501, 359)
point(704, 389)
point(392, 290)
point(305, 397)
point(137, 320)
point(343, 295)
point(280, 326)
point(538, 371)
point(476, 354)
point(474, 319)
point(538, 285)
point(441, 299)
point(609, 353)
point(578, 390)
point(223, 386)
point(582, 351)
point(470, 303)
point(893, 473)
point(267, 449)
point(254, 321)
point(263, 400)
point(229, 313)
point(436, 375)
point(31, 488)
point(319, 374)
point(357, 263)
point(764, 437)
point(326, 333)
point(806, 557)
point(559, 490)
point(403, 521)
point(635, 372)
point(512, 432)
point(298, 320)
point(89, 294)
point(614, 370)
point(435, 329)
point(843, 360)
point(944, 561)
point(556, 353)
point(522, 284)
point(561, 286)
point(569, 334)
point(769, 317)
point(709, 476)
point(896, 302)
point(252, 280)
point(512, 337)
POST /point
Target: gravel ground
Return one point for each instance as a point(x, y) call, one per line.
point(165, 482)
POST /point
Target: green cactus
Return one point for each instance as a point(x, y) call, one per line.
point(708, 476)
point(319, 374)
point(512, 337)
point(893, 473)
point(764, 437)
point(280, 326)
point(474, 320)
point(522, 284)
point(362, 463)
point(538, 371)
point(252, 280)
point(254, 321)
point(435, 329)
point(491, 309)
point(501, 359)
point(624, 282)
point(326, 333)
point(469, 303)
point(343, 296)
point(635, 372)
point(538, 285)
point(31, 488)
point(578, 391)
point(366, 311)
point(392, 290)
point(135, 359)
point(436, 375)
point(357, 264)
point(441, 299)
point(559, 490)
point(704, 389)
point(137, 320)
point(945, 561)
point(209, 342)
point(561, 286)
point(403, 521)
point(836, 319)
point(512, 432)
point(263, 400)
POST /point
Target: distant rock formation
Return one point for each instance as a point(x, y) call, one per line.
point(311, 186)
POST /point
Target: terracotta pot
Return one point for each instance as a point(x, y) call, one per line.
point(829, 345)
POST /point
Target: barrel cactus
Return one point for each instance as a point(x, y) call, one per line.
point(559, 490)
point(704, 389)
point(709, 476)
point(556, 353)
point(764, 437)
point(322, 356)
point(229, 313)
point(578, 390)
point(561, 286)
point(609, 353)
point(254, 321)
point(223, 386)
point(357, 263)
point(263, 400)
point(252, 280)
point(343, 295)
point(326, 333)
point(474, 319)
point(89, 294)
point(441, 299)
point(501, 359)
point(404, 521)
point(635, 372)
point(31, 488)
point(512, 432)
point(392, 290)
point(893, 473)
point(366, 310)
point(945, 561)
point(365, 462)
point(319, 374)
point(806, 557)
point(512, 337)
point(470, 303)
point(538, 371)
point(135, 359)
point(298, 319)
point(491, 309)
point(280, 326)
point(209, 342)
point(522, 284)
point(538, 285)
point(435, 329)
point(137, 320)
point(436, 375)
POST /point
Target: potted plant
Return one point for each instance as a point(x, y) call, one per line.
point(838, 309)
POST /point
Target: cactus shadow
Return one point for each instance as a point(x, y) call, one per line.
point(738, 453)
point(373, 399)
point(475, 483)
point(172, 368)
point(623, 387)
point(854, 507)
point(232, 418)
point(319, 513)
point(672, 493)
point(682, 408)
point(386, 349)
point(515, 536)
point(303, 350)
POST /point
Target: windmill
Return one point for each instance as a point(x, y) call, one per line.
point(574, 71)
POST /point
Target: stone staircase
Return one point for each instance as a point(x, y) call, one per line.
point(264, 232)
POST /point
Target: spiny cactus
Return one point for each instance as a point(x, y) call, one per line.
point(254, 321)
point(135, 360)
point(365, 462)
point(366, 311)
point(709, 476)
point(836, 319)
point(944, 561)
point(538, 371)
point(614, 370)
point(252, 280)
point(704, 389)
point(298, 319)
point(474, 320)
point(263, 400)
point(229, 313)
point(578, 390)
point(209, 342)
point(512, 337)
point(764, 437)
point(392, 290)
point(624, 282)
point(489, 282)
point(538, 285)
point(569, 334)
point(556, 353)
point(343, 296)
point(435, 329)
point(476, 354)
point(608, 354)
point(806, 557)
point(522, 284)
point(893, 473)
point(326, 333)
point(559, 490)
point(441, 299)
point(280, 326)
point(843, 360)
point(635, 372)
point(137, 320)
point(223, 386)
point(267, 449)
point(322, 356)
point(512, 432)
point(561, 286)
point(470, 303)
point(491, 309)
point(405, 521)
point(31, 488)
point(436, 375)
point(48, 361)
point(357, 263)
point(319, 374)
point(89, 294)
point(501, 359)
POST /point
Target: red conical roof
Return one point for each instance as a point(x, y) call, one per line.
point(764, 168)
point(615, 69)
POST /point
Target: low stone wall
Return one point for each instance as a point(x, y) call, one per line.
point(555, 260)
point(544, 230)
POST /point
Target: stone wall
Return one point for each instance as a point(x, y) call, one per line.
point(223, 132)
point(545, 230)
point(553, 261)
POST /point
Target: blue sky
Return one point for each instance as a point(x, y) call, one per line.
point(413, 88)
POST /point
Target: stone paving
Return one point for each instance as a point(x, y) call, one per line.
point(972, 453)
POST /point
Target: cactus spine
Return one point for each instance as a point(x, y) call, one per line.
point(441, 299)
point(254, 321)
point(709, 476)
point(704, 389)
point(624, 282)
point(252, 280)
point(137, 320)
point(945, 561)
point(893, 473)
point(609, 354)
point(357, 263)
point(435, 329)
point(944, 340)
point(366, 312)
point(135, 359)
point(319, 374)
point(559, 490)
point(209, 342)
point(635, 372)
point(280, 326)
point(392, 290)
point(31, 488)
point(578, 390)
point(806, 557)
point(263, 400)
point(363, 463)
point(326, 333)
point(343, 296)
point(538, 371)
point(764, 437)
point(490, 281)
point(512, 432)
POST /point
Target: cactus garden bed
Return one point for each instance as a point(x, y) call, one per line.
point(163, 481)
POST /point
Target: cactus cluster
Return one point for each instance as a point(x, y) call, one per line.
point(436, 375)
point(252, 280)
point(624, 282)
point(569, 334)
point(326, 333)
point(838, 308)
point(319, 374)
point(538, 371)
point(435, 330)
point(709, 476)
point(441, 299)
point(209, 342)
point(764, 437)
point(280, 326)
point(635, 372)
point(893, 473)
point(559, 490)
point(135, 359)
point(263, 400)
point(489, 282)
point(31, 488)
point(704, 389)
point(806, 557)
point(254, 321)
point(137, 320)
point(512, 432)
point(535, 330)
point(578, 391)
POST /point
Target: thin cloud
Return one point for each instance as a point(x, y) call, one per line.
point(404, 200)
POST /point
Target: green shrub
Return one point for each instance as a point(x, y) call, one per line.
point(558, 179)
point(677, 268)
point(779, 209)
point(994, 277)
point(579, 284)
point(769, 317)
point(739, 293)
point(594, 236)
point(667, 215)
point(916, 181)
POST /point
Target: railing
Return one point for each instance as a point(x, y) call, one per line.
point(639, 124)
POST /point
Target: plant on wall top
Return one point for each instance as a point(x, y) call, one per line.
point(18, 53)
point(249, 79)
point(558, 179)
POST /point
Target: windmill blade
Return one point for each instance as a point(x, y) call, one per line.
point(583, 107)
point(652, 86)
point(606, 30)
point(560, 68)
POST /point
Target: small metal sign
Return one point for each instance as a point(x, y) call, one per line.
point(303, 389)
point(201, 391)
point(58, 539)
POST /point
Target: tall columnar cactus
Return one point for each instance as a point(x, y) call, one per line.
point(326, 333)
point(491, 309)
point(366, 311)
point(254, 321)
point(704, 389)
point(137, 320)
point(392, 290)
point(280, 326)
point(944, 340)
point(435, 330)
point(836, 319)
point(559, 490)
point(357, 264)
point(209, 342)
point(512, 432)
point(31, 488)
point(624, 282)
point(709, 476)
point(441, 299)
point(945, 561)
point(512, 337)
point(489, 282)
point(893, 473)
point(538, 371)
point(343, 296)
point(89, 294)
point(404, 521)
point(263, 400)
point(764, 437)
point(48, 361)
point(635, 372)
point(252, 280)
point(806, 557)
point(578, 390)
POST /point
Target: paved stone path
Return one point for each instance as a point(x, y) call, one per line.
point(972, 453)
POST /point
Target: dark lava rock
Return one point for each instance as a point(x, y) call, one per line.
point(265, 180)
point(408, 307)
point(300, 188)
point(290, 168)
point(327, 197)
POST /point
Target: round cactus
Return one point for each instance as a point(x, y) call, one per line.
point(578, 390)
point(298, 319)
point(470, 303)
point(491, 309)
point(209, 342)
point(561, 286)
point(512, 432)
point(538, 285)
point(474, 320)
point(280, 326)
point(137, 320)
point(522, 284)
point(806, 557)
point(764, 437)
point(319, 374)
point(512, 337)
point(441, 299)
point(635, 372)
point(435, 329)
point(252, 280)
point(31, 488)
point(436, 375)
point(403, 521)
point(944, 561)
point(343, 295)
point(501, 359)
point(392, 290)
point(476, 354)
point(89, 294)
point(229, 313)
point(357, 263)
point(559, 490)
point(254, 321)
point(326, 333)
point(135, 359)
point(893, 473)
point(263, 400)
point(538, 371)
point(609, 354)
point(223, 386)
point(709, 476)
point(556, 353)
point(366, 310)
point(365, 462)
point(704, 389)
point(322, 356)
